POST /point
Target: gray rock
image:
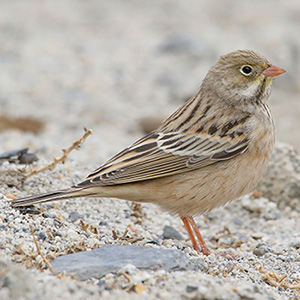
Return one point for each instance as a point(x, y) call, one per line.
point(111, 258)
point(281, 183)
point(261, 249)
point(19, 156)
point(13, 154)
point(171, 233)
point(28, 158)
point(74, 216)
point(191, 288)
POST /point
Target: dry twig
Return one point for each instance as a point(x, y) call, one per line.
point(61, 159)
point(276, 280)
point(40, 252)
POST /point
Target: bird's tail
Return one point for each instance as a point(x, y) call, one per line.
point(52, 196)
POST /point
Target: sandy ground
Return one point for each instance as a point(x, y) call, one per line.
point(111, 65)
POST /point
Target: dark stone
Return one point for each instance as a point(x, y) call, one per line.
point(42, 236)
point(47, 215)
point(191, 288)
point(3, 228)
point(13, 154)
point(102, 223)
point(27, 158)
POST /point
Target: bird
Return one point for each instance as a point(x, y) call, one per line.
point(209, 152)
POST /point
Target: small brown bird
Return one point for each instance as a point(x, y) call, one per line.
point(212, 150)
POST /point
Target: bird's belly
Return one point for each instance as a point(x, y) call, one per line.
point(200, 191)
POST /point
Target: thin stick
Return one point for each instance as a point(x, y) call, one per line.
point(40, 252)
point(276, 280)
point(61, 159)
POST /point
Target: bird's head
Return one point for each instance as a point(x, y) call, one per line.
point(242, 75)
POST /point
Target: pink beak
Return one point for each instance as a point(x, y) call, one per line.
point(273, 71)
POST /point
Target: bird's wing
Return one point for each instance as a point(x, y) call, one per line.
point(161, 154)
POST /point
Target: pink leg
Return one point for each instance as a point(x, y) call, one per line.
point(192, 229)
point(191, 234)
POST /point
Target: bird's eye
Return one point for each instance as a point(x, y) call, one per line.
point(246, 70)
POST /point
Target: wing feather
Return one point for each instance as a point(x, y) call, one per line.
point(161, 154)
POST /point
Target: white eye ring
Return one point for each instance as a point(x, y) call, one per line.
point(246, 70)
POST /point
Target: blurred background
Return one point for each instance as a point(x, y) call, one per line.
point(119, 67)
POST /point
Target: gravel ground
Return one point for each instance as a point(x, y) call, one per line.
point(117, 67)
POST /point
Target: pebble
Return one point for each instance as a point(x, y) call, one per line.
point(261, 249)
point(191, 288)
point(74, 216)
point(171, 233)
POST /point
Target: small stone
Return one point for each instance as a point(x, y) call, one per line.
point(47, 215)
point(171, 233)
point(3, 228)
point(127, 214)
point(42, 236)
point(261, 249)
point(154, 242)
point(27, 158)
point(13, 154)
point(74, 216)
point(238, 222)
point(191, 288)
point(226, 241)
